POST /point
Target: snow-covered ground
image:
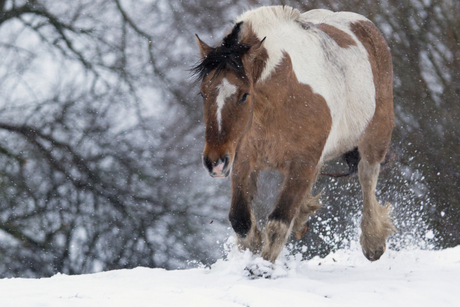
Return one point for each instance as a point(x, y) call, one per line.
point(345, 278)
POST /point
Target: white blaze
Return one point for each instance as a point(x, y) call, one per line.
point(225, 89)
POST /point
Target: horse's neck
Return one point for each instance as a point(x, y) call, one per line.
point(270, 98)
point(268, 115)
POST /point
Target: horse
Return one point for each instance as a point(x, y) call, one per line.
point(289, 91)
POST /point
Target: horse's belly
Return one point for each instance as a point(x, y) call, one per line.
point(352, 108)
point(350, 116)
point(341, 139)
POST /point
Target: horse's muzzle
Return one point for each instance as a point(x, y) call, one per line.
point(218, 169)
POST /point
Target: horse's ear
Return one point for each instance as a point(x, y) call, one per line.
point(256, 58)
point(256, 49)
point(204, 48)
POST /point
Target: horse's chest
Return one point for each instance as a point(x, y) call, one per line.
point(270, 151)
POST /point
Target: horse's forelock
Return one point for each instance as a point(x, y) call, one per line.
point(228, 56)
point(232, 39)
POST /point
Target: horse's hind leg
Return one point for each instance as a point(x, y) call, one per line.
point(376, 224)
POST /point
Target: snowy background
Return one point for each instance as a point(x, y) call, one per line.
point(100, 139)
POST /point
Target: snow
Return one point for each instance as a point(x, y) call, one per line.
point(344, 278)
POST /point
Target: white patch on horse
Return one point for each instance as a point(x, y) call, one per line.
point(226, 89)
point(343, 76)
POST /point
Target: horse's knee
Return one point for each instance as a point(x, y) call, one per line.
point(285, 211)
point(279, 216)
point(241, 222)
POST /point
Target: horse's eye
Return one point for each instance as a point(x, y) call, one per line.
point(243, 99)
point(201, 94)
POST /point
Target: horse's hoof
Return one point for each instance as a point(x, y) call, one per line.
point(301, 233)
point(255, 271)
point(376, 254)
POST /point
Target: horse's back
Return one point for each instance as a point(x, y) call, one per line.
point(325, 16)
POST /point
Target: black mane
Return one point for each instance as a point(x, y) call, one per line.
point(227, 56)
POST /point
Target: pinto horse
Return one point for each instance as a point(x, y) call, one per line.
point(289, 91)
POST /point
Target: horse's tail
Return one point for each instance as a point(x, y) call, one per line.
point(352, 159)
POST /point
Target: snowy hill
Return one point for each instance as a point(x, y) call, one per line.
point(345, 278)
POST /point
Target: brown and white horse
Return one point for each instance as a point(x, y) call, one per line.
point(287, 90)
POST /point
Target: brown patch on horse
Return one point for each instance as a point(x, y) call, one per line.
point(377, 135)
point(343, 39)
point(290, 120)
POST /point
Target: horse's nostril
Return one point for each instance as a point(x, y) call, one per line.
point(207, 163)
point(226, 160)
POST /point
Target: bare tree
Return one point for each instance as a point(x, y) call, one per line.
point(92, 176)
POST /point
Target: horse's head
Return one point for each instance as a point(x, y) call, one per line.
point(227, 79)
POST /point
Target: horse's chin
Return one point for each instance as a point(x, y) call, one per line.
point(222, 175)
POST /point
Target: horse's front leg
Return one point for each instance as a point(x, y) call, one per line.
point(297, 183)
point(244, 187)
